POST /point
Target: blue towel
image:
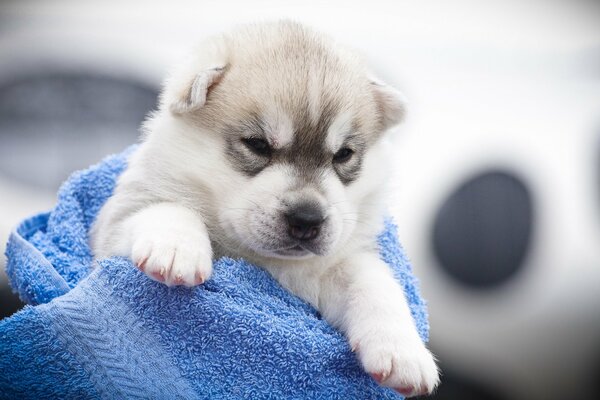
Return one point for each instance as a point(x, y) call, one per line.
point(112, 333)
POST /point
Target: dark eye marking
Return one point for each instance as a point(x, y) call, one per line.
point(258, 146)
point(344, 154)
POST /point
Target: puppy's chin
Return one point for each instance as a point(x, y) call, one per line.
point(294, 252)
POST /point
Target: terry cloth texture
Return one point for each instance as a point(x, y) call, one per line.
point(112, 333)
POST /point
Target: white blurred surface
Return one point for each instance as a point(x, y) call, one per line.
point(508, 83)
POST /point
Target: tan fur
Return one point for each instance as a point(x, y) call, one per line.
point(287, 65)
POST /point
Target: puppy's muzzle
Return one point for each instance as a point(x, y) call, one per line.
point(305, 221)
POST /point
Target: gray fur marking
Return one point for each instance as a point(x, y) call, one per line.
point(308, 152)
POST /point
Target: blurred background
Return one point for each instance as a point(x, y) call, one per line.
point(497, 176)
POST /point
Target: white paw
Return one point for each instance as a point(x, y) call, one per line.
point(182, 257)
point(397, 359)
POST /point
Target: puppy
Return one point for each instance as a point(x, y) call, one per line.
point(269, 144)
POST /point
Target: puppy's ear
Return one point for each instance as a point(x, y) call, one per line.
point(391, 103)
point(192, 95)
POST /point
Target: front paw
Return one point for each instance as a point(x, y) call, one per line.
point(175, 258)
point(399, 361)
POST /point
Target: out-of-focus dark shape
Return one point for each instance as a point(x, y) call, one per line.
point(56, 123)
point(482, 232)
point(51, 125)
point(596, 375)
point(9, 302)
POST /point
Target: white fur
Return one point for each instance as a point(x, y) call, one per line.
point(279, 128)
point(180, 202)
point(314, 97)
point(170, 241)
point(337, 131)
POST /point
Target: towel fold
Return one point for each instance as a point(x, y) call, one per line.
point(111, 332)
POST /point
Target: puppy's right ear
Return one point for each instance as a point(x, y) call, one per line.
point(192, 95)
point(391, 103)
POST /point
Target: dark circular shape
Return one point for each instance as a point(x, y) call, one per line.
point(53, 124)
point(482, 232)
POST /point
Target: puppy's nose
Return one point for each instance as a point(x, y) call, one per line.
point(304, 221)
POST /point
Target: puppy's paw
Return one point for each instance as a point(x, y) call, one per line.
point(398, 361)
point(182, 257)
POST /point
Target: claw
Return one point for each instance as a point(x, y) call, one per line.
point(199, 279)
point(379, 377)
point(158, 276)
point(405, 391)
point(142, 264)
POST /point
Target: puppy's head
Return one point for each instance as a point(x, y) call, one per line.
point(291, 125)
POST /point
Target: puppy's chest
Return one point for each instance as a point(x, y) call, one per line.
point(301, 277)
point(304, 280)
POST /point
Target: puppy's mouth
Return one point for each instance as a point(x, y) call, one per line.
point(295, 251)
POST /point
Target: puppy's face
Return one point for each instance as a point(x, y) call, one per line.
point(294, 197)
point(297, 124)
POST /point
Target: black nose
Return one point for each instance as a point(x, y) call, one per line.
point(304, 221)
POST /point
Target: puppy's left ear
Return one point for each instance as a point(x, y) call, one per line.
point(391, 103)
point(192, 95)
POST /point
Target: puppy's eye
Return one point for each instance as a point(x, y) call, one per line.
point(258, 146)
point(343, 155)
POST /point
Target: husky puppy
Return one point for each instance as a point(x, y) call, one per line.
point(269, 144)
